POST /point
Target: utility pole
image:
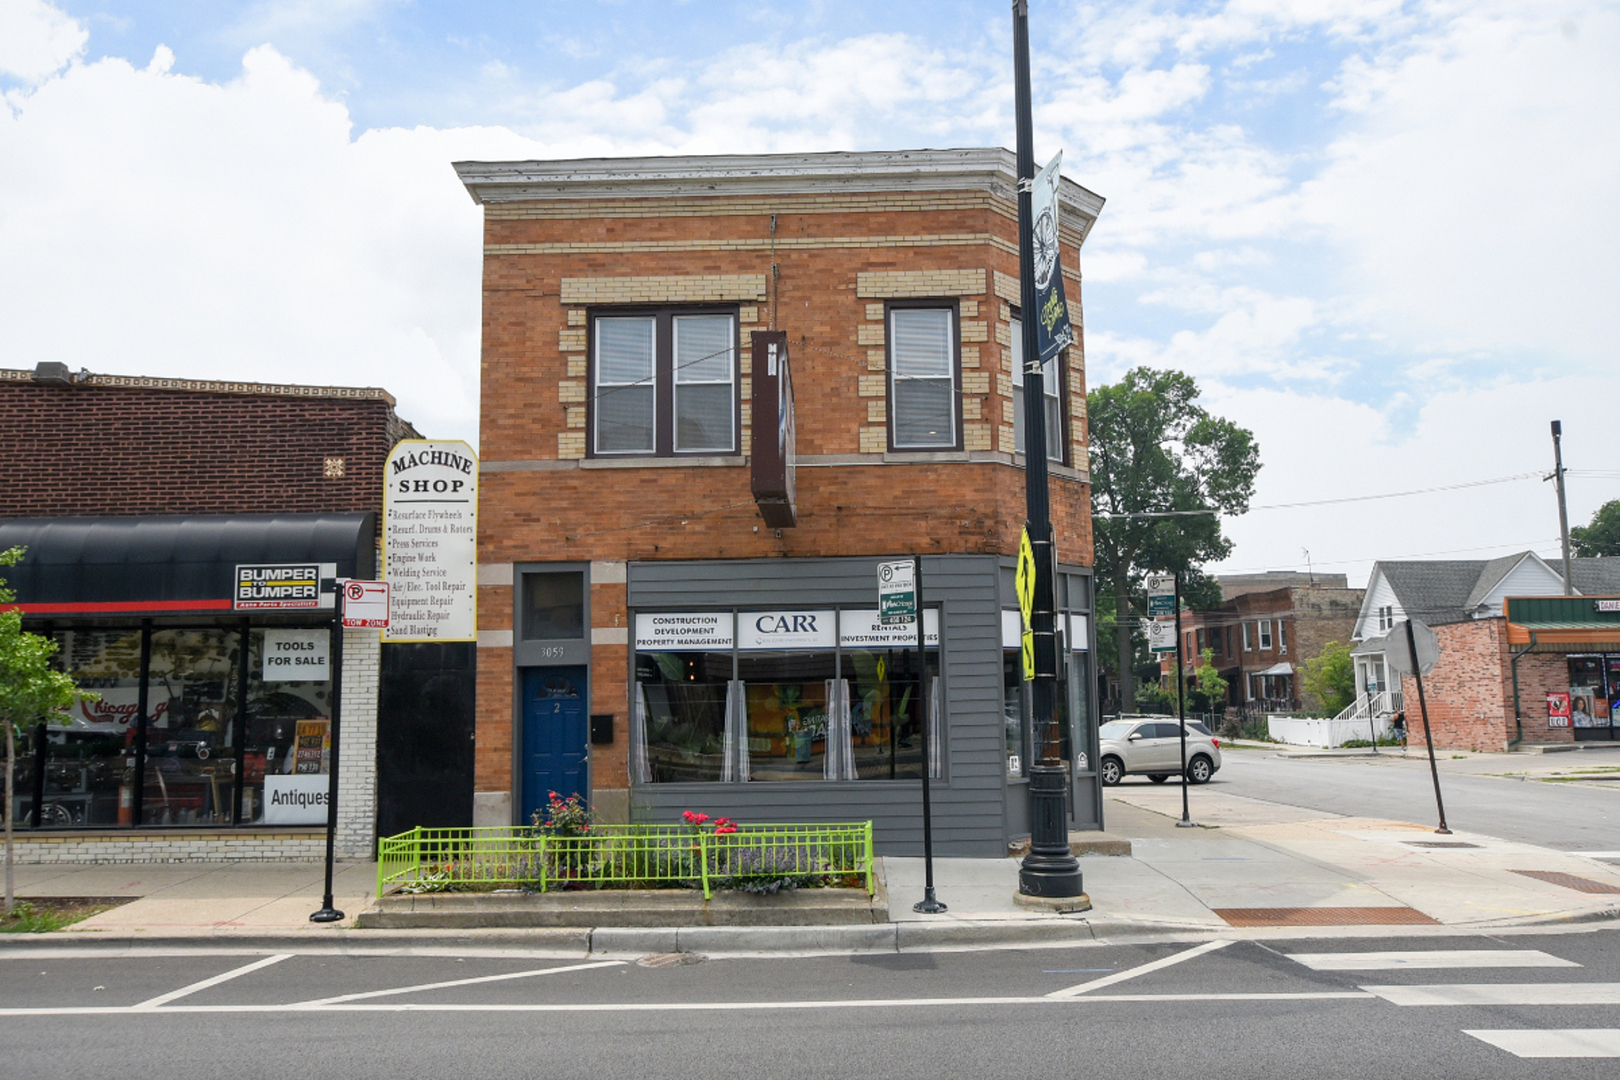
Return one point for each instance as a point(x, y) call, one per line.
point(1050, 869)
point(1563, 511)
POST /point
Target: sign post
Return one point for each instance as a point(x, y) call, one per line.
point(1186, 821)
point(900, 602)
point(329, 911)
point(1422, 652)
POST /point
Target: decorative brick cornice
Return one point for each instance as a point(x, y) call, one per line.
point(212, 386)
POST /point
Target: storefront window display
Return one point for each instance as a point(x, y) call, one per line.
point(1591, 695)
point(198, 759)
point(797, 695)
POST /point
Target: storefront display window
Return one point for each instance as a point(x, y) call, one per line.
point(685, 702)
point(798, 695)
point(1014, 710)
point(1589, 696)
point(90, 763)
point(102, 770)
point(788, 718)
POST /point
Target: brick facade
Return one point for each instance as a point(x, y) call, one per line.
point(820, 264)
point(1470, 691)
point(117, 445)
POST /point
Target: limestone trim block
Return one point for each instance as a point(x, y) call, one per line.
point(970, 356)
point(969, 309)
point(871, 385)
point(576, 316)
point(576, 416)
point(571, 444)
point(869, 334)
point(570, 391)
point(975, 330)
point(874, 312)
point(681, 289)
point(874, 440)
point(898, 284)
point(877, 412)
point(975, 382)
point(576, 367)
point(975, 436)
point(1007, 289)
point(748, 314)
point(571, 340)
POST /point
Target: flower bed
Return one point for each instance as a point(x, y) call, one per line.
point(567, 850)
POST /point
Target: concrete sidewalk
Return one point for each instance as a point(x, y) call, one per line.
point(1252, 865)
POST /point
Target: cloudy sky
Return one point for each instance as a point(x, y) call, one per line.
point(1383, 234)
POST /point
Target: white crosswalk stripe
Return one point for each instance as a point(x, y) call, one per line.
point(1437, 958)
point(1597, 993)
point(1561, 1043)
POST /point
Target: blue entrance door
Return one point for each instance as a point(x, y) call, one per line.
point(555, 736)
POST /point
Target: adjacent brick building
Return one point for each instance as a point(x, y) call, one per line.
point(137, 500)
point(621, 302)
point(1519, 662)
point(1260, 635)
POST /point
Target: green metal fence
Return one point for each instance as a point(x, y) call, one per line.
point(623, 856)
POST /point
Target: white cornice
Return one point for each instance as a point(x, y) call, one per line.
point(990, 169)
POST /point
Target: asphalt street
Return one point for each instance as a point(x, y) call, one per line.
point(1374, 1008)
point(1564, 816)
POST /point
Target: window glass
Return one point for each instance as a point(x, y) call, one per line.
point(1080, 711)
point(1265, 634)
point(787, 713)
point(90, 763)
point(922, 377)
point(1052, 391)
point(554, 605)
point(190, 749)
point(287, 741)
point(886, 711)
point(1248, 643)
point(1282, 635)
point(625, 391)
point(1013, 708)
point(686, 713)
point(703, 382)
point(1115, 729)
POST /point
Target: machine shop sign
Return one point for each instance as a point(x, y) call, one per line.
point(430, 541)
point(284, 587)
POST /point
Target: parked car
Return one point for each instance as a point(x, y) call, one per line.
point(1151, 746)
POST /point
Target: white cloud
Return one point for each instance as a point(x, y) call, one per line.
point(37, 40)
point(157, 224)
point(1474, 190)
point(1318, 447)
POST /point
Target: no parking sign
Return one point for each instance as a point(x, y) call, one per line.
point(365, 604)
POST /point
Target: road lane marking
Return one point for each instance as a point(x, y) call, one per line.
point(457, 982)
point(305, 1009)
point(1156, 965)
point(1597, 854)
point(1438, 958)
point(1501, 994)
point(172, 995)
point(1563, 1043)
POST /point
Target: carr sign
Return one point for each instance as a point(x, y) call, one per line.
point(897, 592)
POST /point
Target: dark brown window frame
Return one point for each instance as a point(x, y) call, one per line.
point(663, 378)
point(924, 303)
point(1064, 441)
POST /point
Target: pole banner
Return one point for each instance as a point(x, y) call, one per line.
point(1052, 330)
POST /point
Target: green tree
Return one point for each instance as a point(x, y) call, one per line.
point(30, 691)
point(1155, 450)
point(1601, 539)
point(1330, 678)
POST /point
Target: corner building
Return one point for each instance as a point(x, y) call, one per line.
point(680, 357)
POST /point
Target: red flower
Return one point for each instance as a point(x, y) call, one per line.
point(700, 818)
point(691, 818)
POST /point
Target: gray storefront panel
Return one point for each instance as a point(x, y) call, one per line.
point(969, 800)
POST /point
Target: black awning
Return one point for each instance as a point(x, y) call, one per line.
point(172, 564)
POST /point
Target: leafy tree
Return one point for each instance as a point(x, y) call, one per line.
point(1330, 678)
point(1154, 450)
point(1602, 537)
point(1208, 683)
point(29, 692)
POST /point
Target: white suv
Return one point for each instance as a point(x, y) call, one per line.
point(1152, 746)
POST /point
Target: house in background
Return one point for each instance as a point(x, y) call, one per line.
point(1266, 626)
point(1508, 673)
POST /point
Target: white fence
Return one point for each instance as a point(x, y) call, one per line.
point(1312, 731)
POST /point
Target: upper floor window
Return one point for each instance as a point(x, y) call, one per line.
point(923, 378)
point(1265, 634)
point(1052, 396)
point(1248, 643)
point(1386, 618)
point(1282, 636)
point(664, 382)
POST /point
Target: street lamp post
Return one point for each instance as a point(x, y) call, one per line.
point(1050, 869)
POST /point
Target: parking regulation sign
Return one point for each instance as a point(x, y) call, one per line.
point(1161, 590)
point(365, 604)
point(897, 592)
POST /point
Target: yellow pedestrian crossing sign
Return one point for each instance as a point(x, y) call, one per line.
point(1024, 586)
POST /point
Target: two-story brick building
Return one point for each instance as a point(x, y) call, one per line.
point(664, 623)
point(1260, 634)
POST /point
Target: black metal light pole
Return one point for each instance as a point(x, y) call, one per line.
point(1050, 868)
point(329, 911)
point(1428, 736)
